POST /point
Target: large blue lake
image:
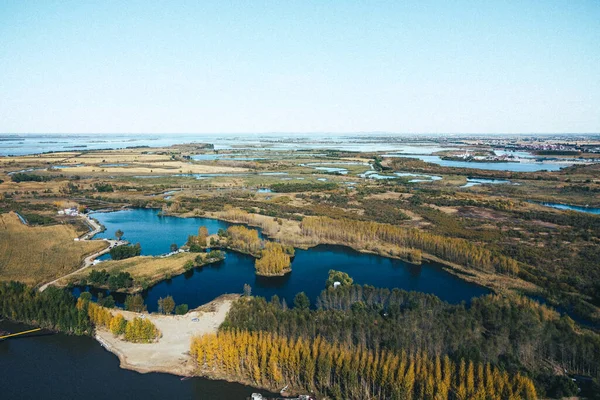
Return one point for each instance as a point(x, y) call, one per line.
point(309, 267)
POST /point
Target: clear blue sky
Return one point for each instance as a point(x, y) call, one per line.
point(300, 66)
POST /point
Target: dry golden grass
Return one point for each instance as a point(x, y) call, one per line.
point(10, 186)
point(41, 158)
point(148, 268)
point(155, 168)
point(121, 156)
point(39, 254)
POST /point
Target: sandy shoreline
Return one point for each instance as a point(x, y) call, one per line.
point(170, 354)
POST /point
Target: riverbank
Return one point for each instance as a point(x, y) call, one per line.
point(170, 354)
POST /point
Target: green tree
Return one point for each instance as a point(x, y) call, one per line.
point(174, 247)
point(181, 309)
point(166, 305)
point(118, 325)
point(302, 301)
point(135, 303)
point(189, 264)
point(119, 234)
point(338, 276)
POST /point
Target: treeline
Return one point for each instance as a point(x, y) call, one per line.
point(357, 233)
point(268, 226)
point(51, 309)
point(274, 260)
point(57, 309)
point(515, 334)
point(23, 177)
point(120, 280)
point(341, 372)
point(125, 251)
point(303, 187)
point(138, 330)
point(103, 187)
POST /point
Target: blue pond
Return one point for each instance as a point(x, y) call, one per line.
point(309, 267)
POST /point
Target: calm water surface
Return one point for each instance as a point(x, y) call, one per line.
point(57, 366)
point(309, 267)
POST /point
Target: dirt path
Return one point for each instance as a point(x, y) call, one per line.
point(171, 353)
point(89, 260)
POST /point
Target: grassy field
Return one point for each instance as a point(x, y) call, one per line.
point(38, 254)
point(143, 268)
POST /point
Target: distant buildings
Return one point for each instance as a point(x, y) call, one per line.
point(69, 212)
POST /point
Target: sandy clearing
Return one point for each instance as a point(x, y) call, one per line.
point(171, 353)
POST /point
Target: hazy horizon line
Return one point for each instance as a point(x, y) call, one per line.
point(304, 133)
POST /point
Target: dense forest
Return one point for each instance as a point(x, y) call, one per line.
point(341, 371)
point(516, 335)
point(56, 309)
point(52, 309)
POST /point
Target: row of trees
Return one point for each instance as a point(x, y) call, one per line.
point(24, 177)
point(274, 260)
point(303, 187)
point(138, 330)
point(360, 233)
point(342, 371)
point(268, 225)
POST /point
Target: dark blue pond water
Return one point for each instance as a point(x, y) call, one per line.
point(309, 267)
point(56, 366)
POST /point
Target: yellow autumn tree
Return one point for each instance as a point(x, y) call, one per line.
point(272, 361)
point(273, 261)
